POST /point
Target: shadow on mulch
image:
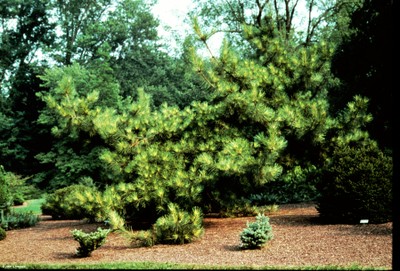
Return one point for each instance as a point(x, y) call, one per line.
point(232, 248)
point(64, 255)
point(59, 224)
point(369, 229)
point(209, 224)
point(350, 229)
point(296, 220)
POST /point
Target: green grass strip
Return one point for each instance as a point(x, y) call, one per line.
point(171, 266)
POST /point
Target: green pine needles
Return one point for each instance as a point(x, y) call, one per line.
point(257, 233)
point(175, 228)
point(179, 226)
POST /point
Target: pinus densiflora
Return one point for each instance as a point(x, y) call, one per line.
point(267, 119)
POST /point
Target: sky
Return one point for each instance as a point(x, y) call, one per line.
point(171, 14)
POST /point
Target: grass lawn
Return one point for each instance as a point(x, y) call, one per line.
point(32, 205)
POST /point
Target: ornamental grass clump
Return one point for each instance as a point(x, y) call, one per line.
point(257, 233)
point(89, 241)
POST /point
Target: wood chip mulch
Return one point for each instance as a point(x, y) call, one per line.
point(299, 240)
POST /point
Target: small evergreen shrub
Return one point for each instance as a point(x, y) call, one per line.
point(55, 203)
point(145, 238)
point(18, 199)
point(13, 220)
point(89, 241)
point(176, 227)
point(3, 234)
point(77, 201)
point(257, 233)
point(13, 189)
point(357, 184)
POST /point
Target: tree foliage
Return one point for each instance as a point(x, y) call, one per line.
point(364, 64)
point(302, 22)
point(267, 119)
point(70, 113)
point(25, 29)
point(115, 42)
point(356, 185)
point(150, 129)
point(5, 193)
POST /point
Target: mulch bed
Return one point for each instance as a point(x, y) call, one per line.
point(299, 240)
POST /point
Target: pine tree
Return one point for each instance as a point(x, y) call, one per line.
point(267, 120)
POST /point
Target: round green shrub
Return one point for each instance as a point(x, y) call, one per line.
point(355, 185)
point(257, 233)
point(18, 199)
point(3, 234)
point(77, 201)
point(54, 204)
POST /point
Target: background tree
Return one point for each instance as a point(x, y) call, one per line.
point(165, 77)
point(303, 22)
point(77, 94)
point(25, 30)
point(117, 55)
point(126, 30)
point(74, 19)
point(364, 64)
point(140, 59)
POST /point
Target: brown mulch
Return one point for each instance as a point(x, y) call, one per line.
point(299, 240)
